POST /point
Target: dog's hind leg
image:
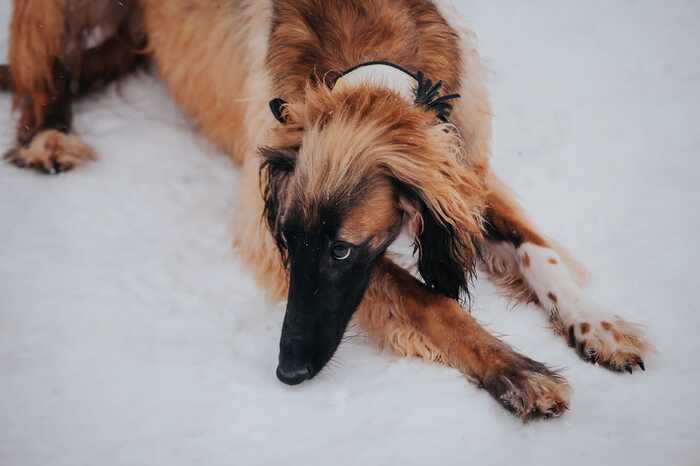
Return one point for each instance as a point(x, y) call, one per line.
point(532, 268)
point(41, 83)
point(400, 312)
point(52, 61)
point(44, 139)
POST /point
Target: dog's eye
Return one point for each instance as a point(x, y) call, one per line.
point(341, 251)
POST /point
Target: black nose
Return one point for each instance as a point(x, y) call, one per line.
point(294, 375)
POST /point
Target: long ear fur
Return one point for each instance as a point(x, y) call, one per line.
point(446, 265)
point(275, 168)
point(443, 198)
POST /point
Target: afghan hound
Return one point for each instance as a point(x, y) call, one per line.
point(352, 121)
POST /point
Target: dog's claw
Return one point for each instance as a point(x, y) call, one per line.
point(616, 345)
point(581, 349)
point(572, 337)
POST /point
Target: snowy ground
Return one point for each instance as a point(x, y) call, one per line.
point(131, 335)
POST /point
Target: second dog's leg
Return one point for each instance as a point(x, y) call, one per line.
point(400, 312)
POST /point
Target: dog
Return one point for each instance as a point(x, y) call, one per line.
point(352, 121)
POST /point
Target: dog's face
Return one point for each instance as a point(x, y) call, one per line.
point(330, 252)
point(349, 172)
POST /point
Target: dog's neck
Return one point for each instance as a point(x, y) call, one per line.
point(381, 74)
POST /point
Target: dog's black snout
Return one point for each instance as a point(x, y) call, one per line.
point(294, 375)
point(293, 367)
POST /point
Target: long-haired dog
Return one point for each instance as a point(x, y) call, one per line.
point(353, 120)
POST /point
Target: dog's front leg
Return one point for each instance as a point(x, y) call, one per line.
point(402, 313)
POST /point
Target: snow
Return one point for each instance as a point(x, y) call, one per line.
point(130, 334)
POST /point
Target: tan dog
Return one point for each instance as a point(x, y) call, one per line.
point(352, 121)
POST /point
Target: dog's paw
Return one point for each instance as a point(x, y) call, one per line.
point(529, 389)
point(51, 152)
point(615, 344)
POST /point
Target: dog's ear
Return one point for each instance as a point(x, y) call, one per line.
point(278, 108)
point(446, 258)
point(275, 169)
point(442, 200)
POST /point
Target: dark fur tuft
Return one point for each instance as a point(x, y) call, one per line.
point(276, 166)
point(5, 78)
point(446, 266)
point(427, 97)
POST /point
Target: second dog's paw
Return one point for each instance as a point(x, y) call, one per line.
point(615, 344)
point(51, 152)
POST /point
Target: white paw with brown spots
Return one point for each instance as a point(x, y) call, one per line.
point(616, 344)
point(51, 152)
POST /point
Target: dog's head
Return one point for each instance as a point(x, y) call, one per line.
point(349, 170)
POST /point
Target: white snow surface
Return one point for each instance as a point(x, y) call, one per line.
point(130, 333)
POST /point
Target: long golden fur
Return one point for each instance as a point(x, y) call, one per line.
point(223, 61)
